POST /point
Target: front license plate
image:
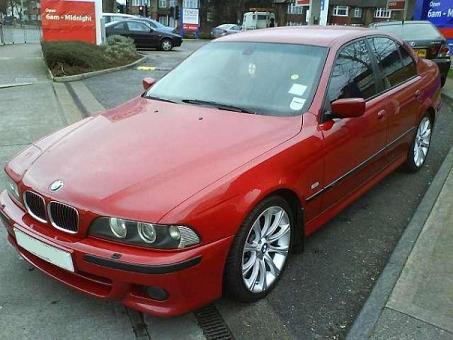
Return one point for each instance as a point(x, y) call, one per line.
point(421, 53)
point(57, 257)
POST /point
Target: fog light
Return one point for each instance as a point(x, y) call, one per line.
point(156, 293)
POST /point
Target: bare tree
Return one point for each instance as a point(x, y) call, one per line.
point(3, 6)
point(109, 6)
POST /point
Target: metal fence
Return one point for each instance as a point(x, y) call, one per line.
point(20, 34)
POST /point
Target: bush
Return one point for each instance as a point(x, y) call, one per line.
point(74, 57)
point(119, 47)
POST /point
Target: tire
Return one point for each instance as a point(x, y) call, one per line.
point(443, 80)
point(240, 281)
point(419, 149)
point(166, 45)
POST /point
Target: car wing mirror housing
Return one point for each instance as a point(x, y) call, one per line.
point(349, 107)
point(148, 83)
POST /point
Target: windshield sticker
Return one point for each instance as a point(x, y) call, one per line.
point(252, 69)
point(294, 77)
point(297, 89)
point(297, 104)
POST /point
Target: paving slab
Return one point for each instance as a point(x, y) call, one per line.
point(32, 305)
point(425, 287)
point(394, 325)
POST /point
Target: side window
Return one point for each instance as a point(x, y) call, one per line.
point(352, 75)
point(137, 27)
point(121, 27)
point(394, 69)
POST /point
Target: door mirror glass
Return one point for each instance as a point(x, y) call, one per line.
point(148, 83)
point(348, 108)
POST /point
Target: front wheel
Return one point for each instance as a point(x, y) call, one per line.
point(166, 45)
point(259, 252)
point(419, 148)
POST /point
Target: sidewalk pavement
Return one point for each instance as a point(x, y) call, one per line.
point(413, 298)
point(31, 305)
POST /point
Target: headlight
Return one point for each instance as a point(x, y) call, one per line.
point(12, 188)
point(144, 234)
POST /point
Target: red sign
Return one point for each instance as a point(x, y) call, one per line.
point(395, 5)
point(190, 27)
point(68, 20)
point(303, 2)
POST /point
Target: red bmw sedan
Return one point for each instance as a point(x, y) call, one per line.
point(208, 181)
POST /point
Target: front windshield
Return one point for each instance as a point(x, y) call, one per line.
point(264, 78)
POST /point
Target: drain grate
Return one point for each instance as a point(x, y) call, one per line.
point(212, 324)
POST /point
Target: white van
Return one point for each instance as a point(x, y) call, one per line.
point(256, 20)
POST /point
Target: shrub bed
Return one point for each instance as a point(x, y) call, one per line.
point(67, 58)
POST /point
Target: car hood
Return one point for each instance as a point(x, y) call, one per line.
point(145, 157)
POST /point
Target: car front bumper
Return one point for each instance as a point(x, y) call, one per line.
point(191, 278)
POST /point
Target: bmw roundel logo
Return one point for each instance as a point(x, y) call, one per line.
point(412, 43)
point(57, 185)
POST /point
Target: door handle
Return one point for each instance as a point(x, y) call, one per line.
point(381, 114)
point(417, 94)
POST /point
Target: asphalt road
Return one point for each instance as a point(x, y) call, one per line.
point(324, 288)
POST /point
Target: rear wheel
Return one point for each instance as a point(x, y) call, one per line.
point(259, 252)
point(166, 45)
point(443, 80)
point(420, 145)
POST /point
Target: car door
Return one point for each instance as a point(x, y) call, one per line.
point(353, 147)
point(141, 33)
point(401, 93)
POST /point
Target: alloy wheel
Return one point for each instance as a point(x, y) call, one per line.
point(266, 249)
point(422, 142)
point(167, 45)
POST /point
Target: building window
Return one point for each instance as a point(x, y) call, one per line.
point(383, 13)
point(358, 12)
point(163, 4)
point(138, 2)
point(190, 4)
point(293, 9)
point(163, 20)
point(340, 11)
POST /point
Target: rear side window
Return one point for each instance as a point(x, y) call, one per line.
point(410, 69)
point(137, 27)
point(352, 75)
point(394, 70)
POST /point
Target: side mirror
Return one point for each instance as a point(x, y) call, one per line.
point(349, 107)
point(148, 83)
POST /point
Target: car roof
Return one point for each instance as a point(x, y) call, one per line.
point(118, 15)
point(390, 23)
point(125, 21)
point(227, 25)
point(326, 36)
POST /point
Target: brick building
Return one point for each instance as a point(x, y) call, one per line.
point(361, 12)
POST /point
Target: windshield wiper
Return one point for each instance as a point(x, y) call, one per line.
point(219, 106)
point(160, 99)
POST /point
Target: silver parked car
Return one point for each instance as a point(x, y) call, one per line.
point(225, 29)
